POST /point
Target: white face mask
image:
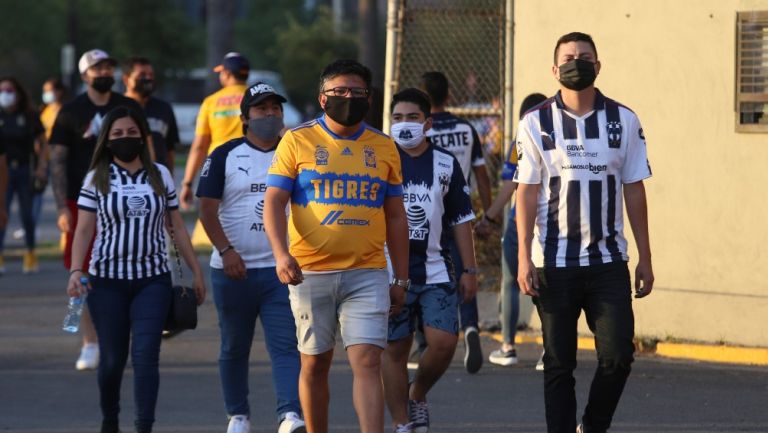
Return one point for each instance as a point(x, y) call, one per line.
point(7, 99)
point(407, 134)
point(49, 97)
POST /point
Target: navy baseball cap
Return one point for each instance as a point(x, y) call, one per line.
point(234, 62)
point(256, 94)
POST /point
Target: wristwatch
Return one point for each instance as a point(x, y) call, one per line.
point(406, 284)
point(470, 271)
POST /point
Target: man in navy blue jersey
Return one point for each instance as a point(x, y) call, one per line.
point(437, 203)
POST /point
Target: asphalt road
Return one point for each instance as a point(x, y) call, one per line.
point(41, 392)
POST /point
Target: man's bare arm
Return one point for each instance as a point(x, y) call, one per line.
point(637, 212)
point(59, 155)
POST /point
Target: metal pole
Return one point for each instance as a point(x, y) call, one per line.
point(389, 67)
point(509, 27)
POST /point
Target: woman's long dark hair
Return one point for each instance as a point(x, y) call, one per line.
point(22, 97)
point(102, 156)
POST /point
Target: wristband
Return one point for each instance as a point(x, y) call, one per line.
point(470, 271)
point(227, 248)
point(489, 219)
point(406, 284)
point(75, 270)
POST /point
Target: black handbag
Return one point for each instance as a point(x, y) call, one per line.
point(182, 313)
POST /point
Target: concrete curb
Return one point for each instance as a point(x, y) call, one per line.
point(699, 352)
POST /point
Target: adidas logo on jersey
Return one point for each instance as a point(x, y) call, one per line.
point(346, 152)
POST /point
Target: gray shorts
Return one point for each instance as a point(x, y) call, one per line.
point(358, 300)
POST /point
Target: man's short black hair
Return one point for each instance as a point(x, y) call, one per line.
point(414, 96)
point(531, 101)
point(575, 37)
point(436, 85)
point(131, 63)
point(345, 67)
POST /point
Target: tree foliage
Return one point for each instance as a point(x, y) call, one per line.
point(304, 49)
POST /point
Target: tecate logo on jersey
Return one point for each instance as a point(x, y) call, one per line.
point(453, 139)
point(594, 168)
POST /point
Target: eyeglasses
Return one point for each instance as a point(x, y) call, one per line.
point(344, 91)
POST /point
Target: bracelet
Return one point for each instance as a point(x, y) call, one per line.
point(470, 271)
point(187, 184)
point(75, 270)
point(227, 248)
point(489, 219)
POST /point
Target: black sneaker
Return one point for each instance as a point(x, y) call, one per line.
point(473, 353)
point(418, 413)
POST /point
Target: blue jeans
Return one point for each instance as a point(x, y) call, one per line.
point(130, 313)
point(239, 303)
point(510, 290)
point(20, 184)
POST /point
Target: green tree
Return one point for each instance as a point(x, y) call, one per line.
point(304, 49)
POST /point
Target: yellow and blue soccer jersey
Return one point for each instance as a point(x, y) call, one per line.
point(338, 186)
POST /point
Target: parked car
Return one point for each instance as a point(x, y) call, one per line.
point(186, 90)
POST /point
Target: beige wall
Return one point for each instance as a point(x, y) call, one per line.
point(672, 62)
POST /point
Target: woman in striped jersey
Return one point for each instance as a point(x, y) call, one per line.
point(128, 201)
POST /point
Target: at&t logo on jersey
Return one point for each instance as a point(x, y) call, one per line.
point(136, 207)
point(417, 218)
point(259, 211)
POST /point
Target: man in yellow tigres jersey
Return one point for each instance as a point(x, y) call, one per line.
point(217, 122)
point(344, 183)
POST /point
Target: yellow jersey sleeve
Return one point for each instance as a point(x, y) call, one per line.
point(202, 127)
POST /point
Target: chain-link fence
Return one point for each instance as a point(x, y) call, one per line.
point(463, 39)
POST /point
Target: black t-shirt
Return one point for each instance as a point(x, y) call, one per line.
point(17, 135)
point(77, 127)
point(162, 123)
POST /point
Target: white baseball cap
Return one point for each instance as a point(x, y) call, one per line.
point(93, 57)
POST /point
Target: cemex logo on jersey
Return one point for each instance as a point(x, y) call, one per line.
point(333, 218)
point(417, 219)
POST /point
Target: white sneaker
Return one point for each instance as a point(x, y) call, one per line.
point(239, 424)
point(292, 423)
point(404, 428)
point(89, 357)
point(540, 362)
point(503, 357)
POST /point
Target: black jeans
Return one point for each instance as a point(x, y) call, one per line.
point(604, 293)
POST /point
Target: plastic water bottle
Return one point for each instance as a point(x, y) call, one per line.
point(75, 310)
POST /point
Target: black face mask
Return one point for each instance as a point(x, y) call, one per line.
point(346, 111)
point(125, 149)
point(103, 84)
point(145, 86)
point(577, 74)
